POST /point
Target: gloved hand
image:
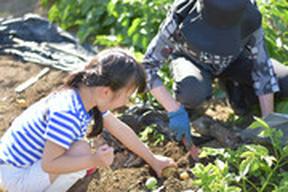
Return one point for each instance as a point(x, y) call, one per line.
point(179, 124)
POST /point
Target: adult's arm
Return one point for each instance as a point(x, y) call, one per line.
point(263, 75)
point(163, 96)
point(159, 50)
point(266, 104)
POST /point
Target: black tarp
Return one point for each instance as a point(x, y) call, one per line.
point(278, 121)
point(34, 39)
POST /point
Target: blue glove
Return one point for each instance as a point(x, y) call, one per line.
point(179, 124)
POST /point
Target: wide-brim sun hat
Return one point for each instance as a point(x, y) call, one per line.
point(220, 26)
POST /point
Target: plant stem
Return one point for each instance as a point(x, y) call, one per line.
point(244, 185)
point(269, 177)
point(252, 184)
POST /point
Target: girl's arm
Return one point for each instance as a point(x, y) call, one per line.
point(58, 160)
point(128, 137)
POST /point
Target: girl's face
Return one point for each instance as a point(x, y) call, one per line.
point(119, 98)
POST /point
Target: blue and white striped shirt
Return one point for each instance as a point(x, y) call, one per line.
point(59, 117)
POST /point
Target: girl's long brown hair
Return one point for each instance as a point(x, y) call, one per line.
point(114, 68)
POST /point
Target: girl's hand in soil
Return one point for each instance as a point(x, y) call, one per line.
point(162, 162)
point(104, 156)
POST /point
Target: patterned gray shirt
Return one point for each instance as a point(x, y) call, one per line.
point(168, 41)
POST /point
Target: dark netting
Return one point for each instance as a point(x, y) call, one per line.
point(35, 39)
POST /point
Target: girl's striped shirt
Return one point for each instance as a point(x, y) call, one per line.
point(59, 117)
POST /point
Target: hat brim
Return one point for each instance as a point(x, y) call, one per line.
point(201, 36)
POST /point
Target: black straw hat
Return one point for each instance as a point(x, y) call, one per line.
point(220, 26)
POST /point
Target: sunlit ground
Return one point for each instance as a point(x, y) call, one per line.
point(16, 7)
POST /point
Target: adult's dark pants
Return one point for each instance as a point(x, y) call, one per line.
point(193, 84)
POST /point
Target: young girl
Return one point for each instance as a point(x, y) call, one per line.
point(44, 150)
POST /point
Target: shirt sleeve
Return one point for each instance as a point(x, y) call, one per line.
point(63, 128)
point(162, 45)
point(263, 75)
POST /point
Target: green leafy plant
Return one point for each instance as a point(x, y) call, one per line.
point(249, 168)
point(275, 24)
point(130, 23)
point(151, 135)
point(214, 177)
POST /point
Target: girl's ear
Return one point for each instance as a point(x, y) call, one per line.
point(107, 91)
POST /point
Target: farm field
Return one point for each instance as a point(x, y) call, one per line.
point(224, 165)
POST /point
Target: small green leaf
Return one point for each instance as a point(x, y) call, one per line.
point(259, 123)
point(270, 160)
point(245, 167)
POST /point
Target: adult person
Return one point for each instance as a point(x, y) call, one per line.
point(208, 39)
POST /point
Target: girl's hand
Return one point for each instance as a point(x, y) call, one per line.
point(104, 156)
point(161, 162)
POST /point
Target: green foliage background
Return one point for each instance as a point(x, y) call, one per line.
point(130, 23)
point(275, 24)
point(133, 23)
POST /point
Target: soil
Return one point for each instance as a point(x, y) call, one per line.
point(12, 74)
point(121, 177)
point(20, 7)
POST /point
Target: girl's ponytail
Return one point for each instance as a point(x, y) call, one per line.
point(114, 68)
point(98, 123)
point(74, 81)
